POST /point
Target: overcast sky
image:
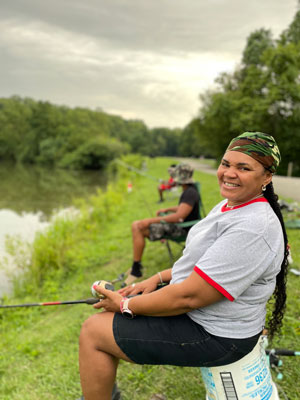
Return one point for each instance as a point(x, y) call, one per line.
point(144, 59)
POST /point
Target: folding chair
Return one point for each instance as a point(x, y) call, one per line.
point(188, 224)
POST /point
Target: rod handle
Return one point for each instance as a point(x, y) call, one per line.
point(282, 352)
point(92, 300)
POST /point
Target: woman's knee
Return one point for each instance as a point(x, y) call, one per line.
point(97, 333)
point(88, 328)
point(94, 328)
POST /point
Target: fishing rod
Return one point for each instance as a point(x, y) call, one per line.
point(276, 362)
point(93, 300)
point(138, 171)
point(143, 174)
point(108, 285)
point(282, 352)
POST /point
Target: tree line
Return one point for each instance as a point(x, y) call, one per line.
point(42, 133)
point(261, 94)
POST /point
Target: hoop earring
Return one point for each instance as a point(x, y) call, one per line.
point(264, 187)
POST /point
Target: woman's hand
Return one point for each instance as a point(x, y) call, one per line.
point(146, 286)
point(111, 301)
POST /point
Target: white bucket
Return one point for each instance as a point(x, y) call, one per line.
point(247, 379)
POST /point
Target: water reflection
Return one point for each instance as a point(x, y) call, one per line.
point(24, 227)
point(28, 197)
point(35, 189)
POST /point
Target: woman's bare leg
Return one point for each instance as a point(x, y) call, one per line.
point(98, 357)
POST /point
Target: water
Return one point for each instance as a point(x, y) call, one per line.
point(29, 195)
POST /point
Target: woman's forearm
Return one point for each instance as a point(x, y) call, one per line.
point(165, 275)
point(167, 301)
point(179, 298)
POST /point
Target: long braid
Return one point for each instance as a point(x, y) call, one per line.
point(280, 290)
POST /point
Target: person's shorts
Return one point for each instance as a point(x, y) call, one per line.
point(161, 230)
point(176, 340)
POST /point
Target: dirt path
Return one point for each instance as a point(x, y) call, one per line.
point(289, 188)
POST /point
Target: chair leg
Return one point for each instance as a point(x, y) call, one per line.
point(170, 252)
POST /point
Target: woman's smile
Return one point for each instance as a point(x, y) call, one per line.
point(241, 178)
point(231, 185)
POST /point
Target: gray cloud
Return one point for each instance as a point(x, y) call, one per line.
point(146, 59)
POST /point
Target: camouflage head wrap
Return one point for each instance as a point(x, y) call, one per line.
point(183, 174)
point(260, 146)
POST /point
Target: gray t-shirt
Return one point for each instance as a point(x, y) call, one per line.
point(239, 251)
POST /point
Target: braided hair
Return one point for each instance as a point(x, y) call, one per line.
point(279, 294)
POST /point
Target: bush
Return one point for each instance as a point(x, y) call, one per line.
point(94, 154)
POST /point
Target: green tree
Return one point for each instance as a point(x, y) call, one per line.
point(164, 141)
point(15, 115)
point(191, 144)
point(257, 43)
point(262, 94)
point(95, 153)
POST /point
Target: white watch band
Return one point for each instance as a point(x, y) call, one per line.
point(125, 310)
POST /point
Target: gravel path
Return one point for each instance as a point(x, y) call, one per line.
point(289, 188)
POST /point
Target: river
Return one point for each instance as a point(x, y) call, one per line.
point(29, 195)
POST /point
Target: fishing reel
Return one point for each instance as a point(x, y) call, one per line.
point(106, 285)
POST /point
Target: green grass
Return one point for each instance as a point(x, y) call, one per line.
point(39, 346)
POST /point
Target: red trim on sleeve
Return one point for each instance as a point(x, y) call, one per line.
point(213, 283)
point(260, 200)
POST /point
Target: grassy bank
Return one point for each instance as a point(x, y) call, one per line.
point(39, 346)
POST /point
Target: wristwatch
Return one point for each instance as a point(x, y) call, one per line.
point(124, 308)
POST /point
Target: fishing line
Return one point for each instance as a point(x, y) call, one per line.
point(138, 171)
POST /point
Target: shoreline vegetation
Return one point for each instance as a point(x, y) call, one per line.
point(39, 345)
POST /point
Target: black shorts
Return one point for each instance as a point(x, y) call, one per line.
point(177, 341)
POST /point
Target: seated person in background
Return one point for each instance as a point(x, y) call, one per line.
point(167, 185)
point(155, 229)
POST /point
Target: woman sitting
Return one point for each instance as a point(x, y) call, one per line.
point(213, 310)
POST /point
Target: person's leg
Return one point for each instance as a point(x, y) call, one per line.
point(98, 357)
point(140, 230)
point(139, 233)
point(160, 191)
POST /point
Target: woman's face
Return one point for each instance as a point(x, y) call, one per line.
point(241, 177)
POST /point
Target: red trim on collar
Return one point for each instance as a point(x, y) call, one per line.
point(259, 200)
point(213, 283)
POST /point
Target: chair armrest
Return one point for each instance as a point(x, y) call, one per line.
point(187, 224)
